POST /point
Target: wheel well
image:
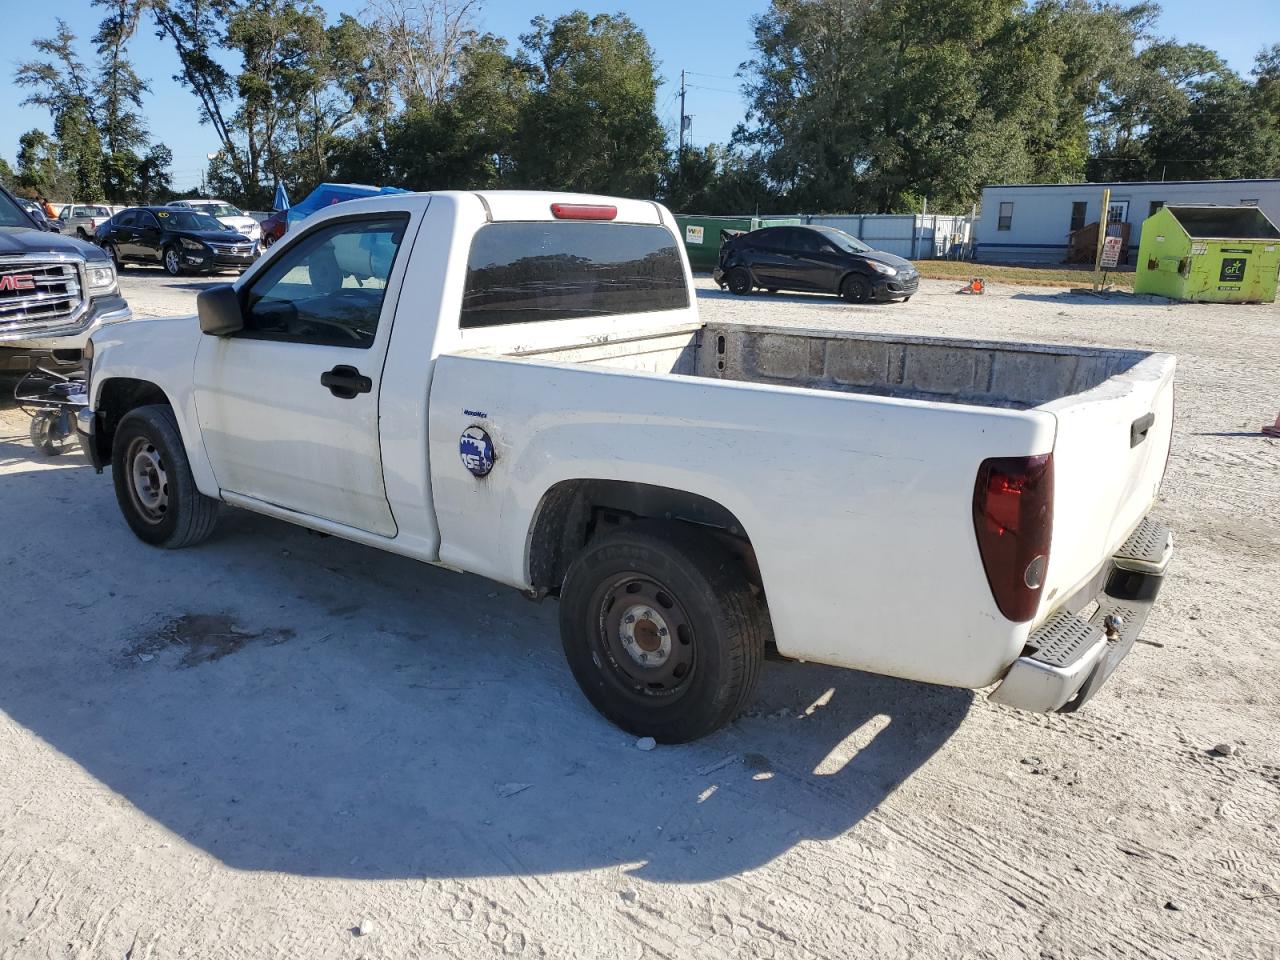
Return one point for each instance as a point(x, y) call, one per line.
point(574, 511)
point(118, 396)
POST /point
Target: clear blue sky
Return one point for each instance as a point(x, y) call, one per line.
point(711, 37)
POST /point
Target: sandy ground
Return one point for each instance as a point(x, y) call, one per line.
point(278, 745)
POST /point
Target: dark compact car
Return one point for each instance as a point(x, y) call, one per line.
point(815, 259)
point(181, 241)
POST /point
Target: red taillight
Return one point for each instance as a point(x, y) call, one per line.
point(1013, 518)
point(583, 211)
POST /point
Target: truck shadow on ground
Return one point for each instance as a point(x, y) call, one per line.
point(291, 703)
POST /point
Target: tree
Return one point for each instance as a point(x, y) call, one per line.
point(1224, 133)
point(422, 42)
point(58, 84)
point(39, 169)
point(589, 122)
point(718, 180)
point(118, 95)
point(99, 134)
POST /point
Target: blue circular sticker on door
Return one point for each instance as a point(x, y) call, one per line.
point(476, 450)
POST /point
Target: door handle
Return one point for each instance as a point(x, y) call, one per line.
point(345, 382)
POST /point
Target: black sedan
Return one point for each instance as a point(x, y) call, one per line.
point(181, 241)
point(813, 259)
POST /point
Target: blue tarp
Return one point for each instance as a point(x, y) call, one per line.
point(282, 199)
point(328, 194)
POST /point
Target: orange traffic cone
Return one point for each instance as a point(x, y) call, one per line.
point(976, 285)
point(1274, 429)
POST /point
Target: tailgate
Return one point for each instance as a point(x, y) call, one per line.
point(1109, 457)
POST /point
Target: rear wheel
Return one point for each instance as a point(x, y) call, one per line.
point(153, 482)
point(739, 281)
point(114, 253)
point(662, 631)
point(854, 290)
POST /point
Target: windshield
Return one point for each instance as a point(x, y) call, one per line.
point(11, 216)
point(188, 220)
point(219, 210)
point(842, 240)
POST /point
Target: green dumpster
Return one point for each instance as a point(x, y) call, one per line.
point(702, 235)
point(1206, 253)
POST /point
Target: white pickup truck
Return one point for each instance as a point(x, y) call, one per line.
point(518, 385)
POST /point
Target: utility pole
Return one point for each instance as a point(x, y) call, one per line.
point(682, 114)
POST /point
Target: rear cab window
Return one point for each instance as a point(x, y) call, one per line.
point(523, 272)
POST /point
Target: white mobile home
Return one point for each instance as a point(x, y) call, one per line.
point(1030, 222)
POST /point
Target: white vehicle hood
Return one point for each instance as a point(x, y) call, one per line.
point(245, 225)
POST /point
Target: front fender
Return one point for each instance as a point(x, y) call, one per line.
point(159, 351)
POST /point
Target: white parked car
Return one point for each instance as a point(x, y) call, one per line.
point(225, 213)
point(518, 385)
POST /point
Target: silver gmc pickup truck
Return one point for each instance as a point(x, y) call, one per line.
point(54, 292)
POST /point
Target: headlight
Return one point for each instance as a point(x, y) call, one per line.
point(101, 278)
point(188, 244)
point(883, 268)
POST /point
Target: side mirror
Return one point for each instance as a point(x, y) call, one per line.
point(219, 310)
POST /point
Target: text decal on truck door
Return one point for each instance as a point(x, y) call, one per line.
point(476, 450)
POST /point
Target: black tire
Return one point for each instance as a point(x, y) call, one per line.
point(267, 241)
point(147, 452)
point(905, 299)
point(171, 261)
point(44, 433)
point(854, 289)
point(114, 252)
point(773, 289)
point(739, 281)
point(706, 663)
point(81, 234)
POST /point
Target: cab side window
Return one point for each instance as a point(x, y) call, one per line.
point(328, 287)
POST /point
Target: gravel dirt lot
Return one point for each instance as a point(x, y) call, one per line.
point(278, 745)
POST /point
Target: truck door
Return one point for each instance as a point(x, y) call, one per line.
point(289, 405)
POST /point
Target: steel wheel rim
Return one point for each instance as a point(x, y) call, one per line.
point(644, 639)
point(171, 261)
point(148, 482)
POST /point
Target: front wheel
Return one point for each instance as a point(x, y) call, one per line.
point(854, 290)
point(172, 262)
point(154, 486)
point(662, 631)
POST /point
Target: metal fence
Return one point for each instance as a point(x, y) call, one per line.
point(914, 236)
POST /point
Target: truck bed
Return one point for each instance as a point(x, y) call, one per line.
point(906, 408)
point(1016, 376)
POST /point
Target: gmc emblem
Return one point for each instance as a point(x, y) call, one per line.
point(17, 281)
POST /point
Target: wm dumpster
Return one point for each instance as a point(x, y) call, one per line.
point(1206, 253)
point(702, 238)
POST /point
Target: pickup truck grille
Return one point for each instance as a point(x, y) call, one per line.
point(37, 296)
